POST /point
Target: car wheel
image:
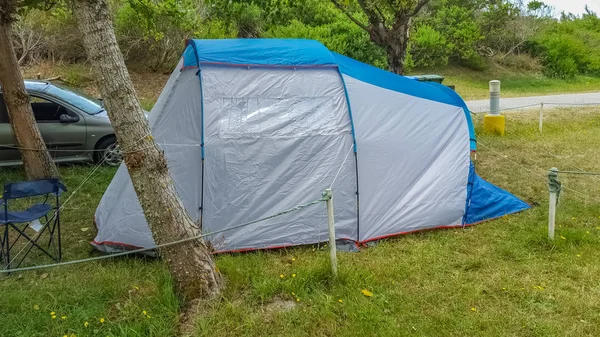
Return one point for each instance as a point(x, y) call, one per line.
point(109, 153)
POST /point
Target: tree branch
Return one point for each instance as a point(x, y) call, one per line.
point(418, 7)
point(352, 18)
point(374, 19)
point(380, 14)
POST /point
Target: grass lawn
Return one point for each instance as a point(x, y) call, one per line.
point(500, 278)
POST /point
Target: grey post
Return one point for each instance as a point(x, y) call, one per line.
point(541, 116)
point(494, 97)
point(554, 187)
point(332, 248)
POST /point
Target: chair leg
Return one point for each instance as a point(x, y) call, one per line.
point(2, 248)
point(7, 244)
point(59, 241)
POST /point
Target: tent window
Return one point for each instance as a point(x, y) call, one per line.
point(260, 117)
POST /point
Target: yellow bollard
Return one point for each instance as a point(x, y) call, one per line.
point(494, 124)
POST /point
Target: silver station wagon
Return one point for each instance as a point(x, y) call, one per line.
point(75, 128)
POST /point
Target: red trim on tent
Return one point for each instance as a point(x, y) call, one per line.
point(417, 231)
point(243, 250)
point(272, 65)
point(357, 243)
point(434, 228)
point(112, 243)
point(259, 65)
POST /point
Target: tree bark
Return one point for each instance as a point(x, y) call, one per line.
point(36, 160)
point(191, 263)
point(397, 44)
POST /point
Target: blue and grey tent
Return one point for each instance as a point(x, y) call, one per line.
point(251, 127)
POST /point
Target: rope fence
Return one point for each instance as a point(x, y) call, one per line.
point(541, 104)
point(555, 187)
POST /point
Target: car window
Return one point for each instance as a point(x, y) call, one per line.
point(45, 110)
point(3, 111)
point(88, 105)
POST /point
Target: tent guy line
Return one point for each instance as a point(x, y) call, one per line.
point(83, 182)
point(177, 242)
point(585, 196)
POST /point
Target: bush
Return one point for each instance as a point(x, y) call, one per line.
point(569, 47)
point(429, 48)
point(51, 35)
point(457, 28)
point(564, 56)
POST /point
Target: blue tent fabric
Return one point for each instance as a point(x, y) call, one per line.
point(487, 201)
point(267, 52)
point(391, 81)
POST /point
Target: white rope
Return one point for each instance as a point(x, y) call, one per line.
point(584, 195)
point(177, 242)
point(341, 166)
point(94, 150)
point(547, 151)
point(507, 109)
point(84, 181)
point(538, 104)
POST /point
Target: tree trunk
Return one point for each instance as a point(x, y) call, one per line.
point(396, 57)
point(396, 44)
point(191, 263)
point(36, 159)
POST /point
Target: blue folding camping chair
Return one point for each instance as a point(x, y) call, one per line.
point(20, 219)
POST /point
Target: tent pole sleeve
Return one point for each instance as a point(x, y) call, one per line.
point(355, 154)
point(199, 73)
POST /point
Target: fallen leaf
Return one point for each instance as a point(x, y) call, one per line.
point(366, 293)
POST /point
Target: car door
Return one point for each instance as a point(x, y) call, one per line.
point(62, 127)
point(8, 152)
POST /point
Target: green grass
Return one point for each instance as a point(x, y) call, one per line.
point(473, 85)
point(500, 278)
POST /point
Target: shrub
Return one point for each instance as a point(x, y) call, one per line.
point(563, 55)
point(429, 48)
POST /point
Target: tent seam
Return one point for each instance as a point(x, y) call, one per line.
point(355, 152)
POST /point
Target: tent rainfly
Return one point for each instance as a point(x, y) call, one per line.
point(251, 127)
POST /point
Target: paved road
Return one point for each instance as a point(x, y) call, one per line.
point(552, 100)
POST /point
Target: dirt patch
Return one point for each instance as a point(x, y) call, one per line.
point(148, 85)
point(279, 305)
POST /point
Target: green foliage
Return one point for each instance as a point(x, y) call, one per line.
point(152, 29)
point(429, 48)
point(454, 24)
point(570, 47)
point(471, 33)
